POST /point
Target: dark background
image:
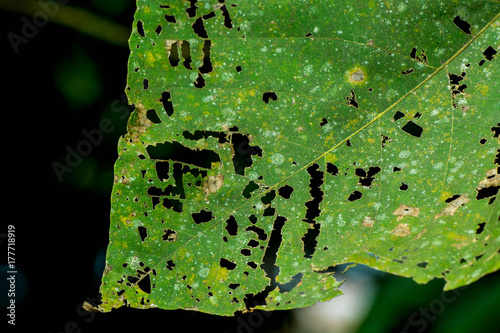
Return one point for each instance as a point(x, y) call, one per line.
point(62, 82)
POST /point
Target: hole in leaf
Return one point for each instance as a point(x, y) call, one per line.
point(145, 84)
point(176, 152)
point(174, 204)
point(246, 252)
point(186, 54)
point(413, 53)
point(252, 264)
point(200, 82)
point(167, 104)
point(224, 263)
point(398, 115)
point(145, 284)
point(352, 100)
point(366, 178)
point(487, 192)
point(170, 19)
point(355, 196)
point(202, 217)
point(143, 233)
point(132, 279)
point(455, 79)
point(285, 191)
point(294, 281)
point(169, 235)
point(496, 131)
point(403, 187)
point(313, 211)
point(323, 122)
point(206, 66)
point(315, 183)
point(462, 25)
point(268, 197)
point(209, 16)
point(232, 226)
point(269, 211)
point(158, 29)
point(453, 198)
point(243, 152)
point(413, 129)
point(269, 96)
point(249, 188)
point(191, 11)
point(489, 53)
point(227, 18)
point(385, 140)
point(332, 169)
point(170, 265)
point(233, 286)
point(261, 234)
point(480, 228)
point(173, 54)
point(199, 28)
point(198, 135)
point(253, 243)
point(269, 259)
point(140, 28)
point(238, 69)
point(153, 116)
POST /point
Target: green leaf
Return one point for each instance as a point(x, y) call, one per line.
point(272, 141)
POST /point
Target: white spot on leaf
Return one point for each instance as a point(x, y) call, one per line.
point(277, 159)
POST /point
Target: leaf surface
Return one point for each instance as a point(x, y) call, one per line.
point(272, 141)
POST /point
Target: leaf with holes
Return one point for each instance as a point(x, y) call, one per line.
point(272, 141)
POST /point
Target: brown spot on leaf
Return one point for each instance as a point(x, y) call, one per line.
point(492, 179)
point(453, 206)
point(107, 269)
point(212, 184)
point(356, 76)
point(368, 222)
point(404, 210)
point(402, 230)
point(138, 123)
